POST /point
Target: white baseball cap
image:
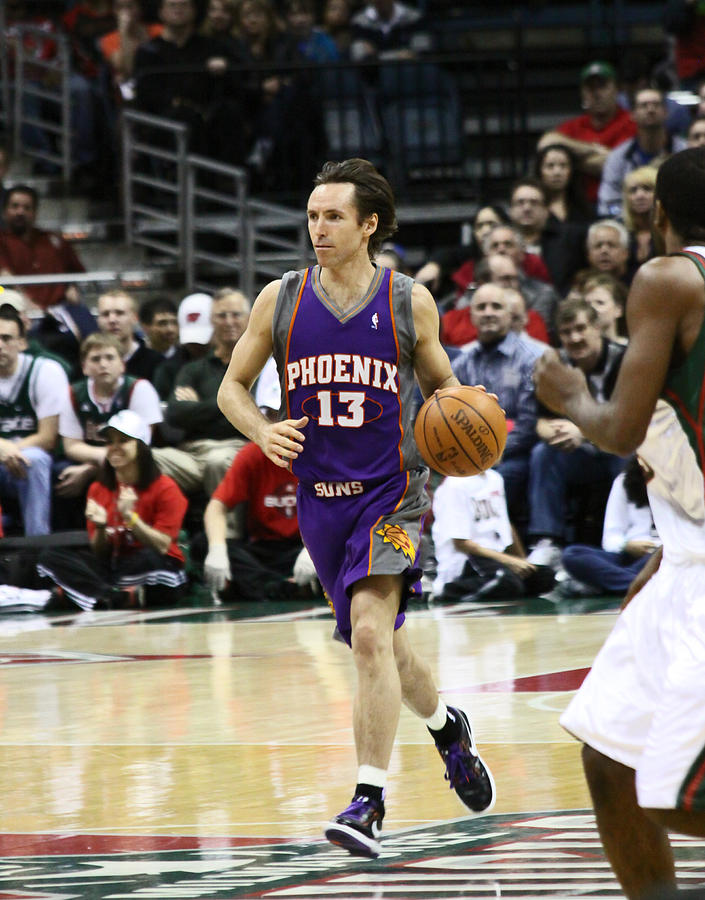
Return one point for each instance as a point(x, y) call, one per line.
point(127, 422)
point(195, 319)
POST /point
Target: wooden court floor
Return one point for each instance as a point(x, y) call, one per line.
point(132, 744)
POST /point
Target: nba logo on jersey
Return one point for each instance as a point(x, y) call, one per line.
point(375, 321)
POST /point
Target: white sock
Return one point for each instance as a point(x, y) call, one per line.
point(372, 775)
point(438, 719)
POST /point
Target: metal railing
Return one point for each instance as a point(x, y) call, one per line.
point(196, 213)
point(42, 100)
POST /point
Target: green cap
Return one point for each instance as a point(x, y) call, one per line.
point(598, 69)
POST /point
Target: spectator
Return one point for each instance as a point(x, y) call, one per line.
point(638, 193)
point(556, 168)
point(337, 22)
point(387, 29)
point(158, 319)
point(559, 244)
point(520, 322)
point(696, 132)
point(187, 76)
point(562, 459)
point(457, 328)
point(117, 315)
point(312, 43)
point(28, 250)
point(608, 248)
point(651, 144)
point(195, 333)
point(119, 47)
point(28, 312)
point(539, 295)
point(628, 539)
point(31, 391)
point(504, 364)
point(608, 297)
point(134, 515)
point(260, 566)
point(209, 445)
point(458, 263)
point(102, 392)
point(603, 125)
point(479, 553)
point(685, 19)
point(220, 20)
point(92, 110)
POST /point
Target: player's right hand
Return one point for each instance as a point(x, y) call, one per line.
point(216, 568)
point(283, 441)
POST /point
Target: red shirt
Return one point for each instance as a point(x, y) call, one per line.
point(690, 49)
point(45, 253)
point(162, 506)
point(270, 493)
point(532, 265)
point(619, 129)
point(457, 328)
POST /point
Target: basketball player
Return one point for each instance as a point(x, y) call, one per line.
point(348, 338)
point(641, 711)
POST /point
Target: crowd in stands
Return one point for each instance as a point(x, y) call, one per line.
point(101, 409)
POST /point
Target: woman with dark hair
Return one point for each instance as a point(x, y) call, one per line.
point(554, 166)
point(134, 515)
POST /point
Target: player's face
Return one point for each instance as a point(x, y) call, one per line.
point(582, 341)
point(116, 315)
point(490, 313)
point(103, 365)
point(336, 232)
point(10, 345)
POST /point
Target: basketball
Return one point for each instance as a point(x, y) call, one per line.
point(460, 431)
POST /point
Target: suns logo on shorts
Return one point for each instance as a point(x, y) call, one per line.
point(398, 538)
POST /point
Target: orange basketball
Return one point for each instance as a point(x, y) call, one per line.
point(460, 431)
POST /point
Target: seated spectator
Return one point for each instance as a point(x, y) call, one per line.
point(120, 46)
point(696, 132)
point(193, 78)
point(608, 248)
point(608, 297)
point(559, 244)
point(453, 268)
point(29, 313)
point(501, 361)
point(259, 566)
point(31, 393)
point(556, 169)
point(117, 315)
point(195, 333)
point(336, 21)
point(685, 20)
point(603, 125)
point(457, 327)
point(391, 256)
point(562, 459)
point(519, 322)
point(102, 392)
point(388, 29)
point(628, 539)
point(220, 19)
point(478, 551)
point(312, 43)
point(159, 322)
point(134, 515)
point(210, 443)
point(92, 108)
point(651, 145)
point(638, 193)
point(539, 295)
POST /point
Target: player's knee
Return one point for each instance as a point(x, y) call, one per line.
point(367, 641)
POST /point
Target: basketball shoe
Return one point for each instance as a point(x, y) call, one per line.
point(468, 775)
point(357, 828)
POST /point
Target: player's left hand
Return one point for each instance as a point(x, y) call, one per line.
point(557, 382)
